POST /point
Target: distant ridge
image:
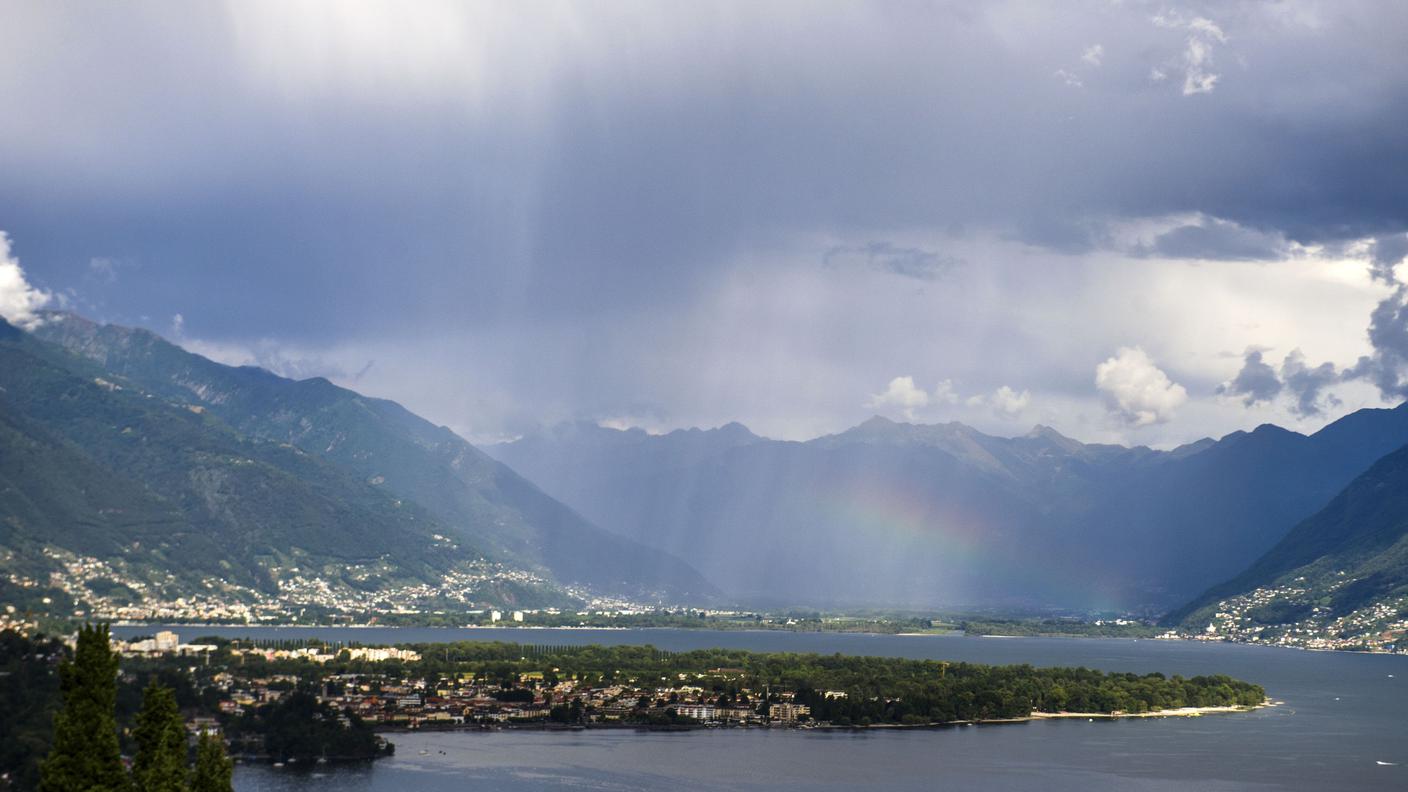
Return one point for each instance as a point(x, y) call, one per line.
point(943, 513)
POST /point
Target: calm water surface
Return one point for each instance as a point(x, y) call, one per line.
point(1342, 715)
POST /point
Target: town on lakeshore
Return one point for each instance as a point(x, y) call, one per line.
point(308, 702)
point(491, 684)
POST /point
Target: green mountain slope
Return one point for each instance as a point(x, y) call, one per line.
point(133, 493)
point(479, 500)
point(1340, 576)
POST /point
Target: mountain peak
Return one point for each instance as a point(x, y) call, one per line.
point(736, 430)
point(1042, 431)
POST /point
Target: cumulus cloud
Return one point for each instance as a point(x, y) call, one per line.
point(1093, 55)
point(20, 302)
point(1137, 390)
point(908, 262)
point(1388, 334)
point(901, 395)
point(1009, 403)
point(1308, 387)
point(1005, 402)
point(1387, 367)
point(1256, 382)
point(1307, 384)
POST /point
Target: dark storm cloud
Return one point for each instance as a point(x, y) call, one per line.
point(1308, 384)
point(1387, 367)
point(620, 159)
point(455, 168)
point(1217, 240)
point(1256, 382)
point(1386, 253)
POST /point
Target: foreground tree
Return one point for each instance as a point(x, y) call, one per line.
point(213, 770)
point(160, 763)
point(86, 756)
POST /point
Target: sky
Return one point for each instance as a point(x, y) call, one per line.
point(1135, 222)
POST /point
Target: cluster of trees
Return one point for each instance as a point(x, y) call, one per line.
point(29, 699)
point(86, 754)
point(299, 728)
point(989, 693)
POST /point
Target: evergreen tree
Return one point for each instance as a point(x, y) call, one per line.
point(160, 763)
point(86, 756)
point(213, 769)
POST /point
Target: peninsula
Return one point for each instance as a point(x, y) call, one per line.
point(496, 684)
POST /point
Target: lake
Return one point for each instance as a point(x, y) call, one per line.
point(1342, 715)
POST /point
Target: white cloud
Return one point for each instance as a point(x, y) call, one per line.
point(1093, 55)
point(1136, 389)
point(1008, 402)
point(944, 393)
point(902, 395)
point(1197, 58)
point(19, 301)
point(1208, 28)
point(1005, 402)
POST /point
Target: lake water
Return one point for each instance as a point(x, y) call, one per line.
point(1342, 715)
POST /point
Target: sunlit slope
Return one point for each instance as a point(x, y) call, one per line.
point(478, 499)
point(1349, 556)
point(90, 467)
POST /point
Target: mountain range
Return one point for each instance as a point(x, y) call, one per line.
point(892, 512)
point(119, 444)
point(139, 467)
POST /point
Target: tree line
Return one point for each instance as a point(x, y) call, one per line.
point(85, 753)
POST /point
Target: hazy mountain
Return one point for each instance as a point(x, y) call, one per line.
point(898, 513)
point(478, 501)
point(1331, 569)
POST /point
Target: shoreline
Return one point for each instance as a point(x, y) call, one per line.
point(952, 634)
point(1181, 712)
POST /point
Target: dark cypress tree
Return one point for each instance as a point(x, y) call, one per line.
point(86, 755)
point(160, 733)
point(214, 770)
